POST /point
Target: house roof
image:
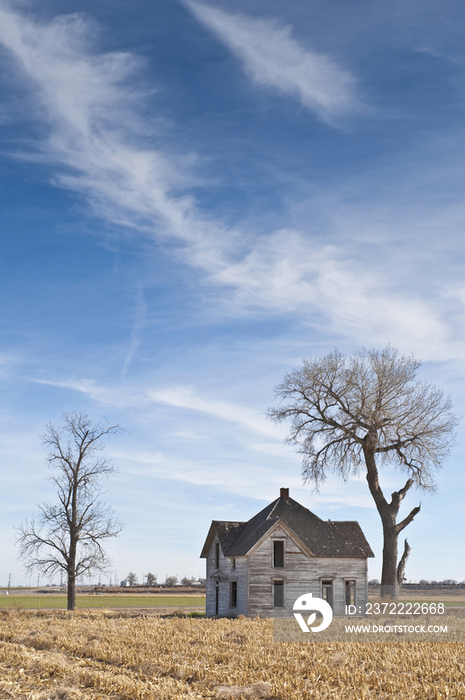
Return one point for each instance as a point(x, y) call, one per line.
point(323, 538)
point(227, 532)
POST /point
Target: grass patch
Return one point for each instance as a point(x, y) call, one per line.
point(30, 602)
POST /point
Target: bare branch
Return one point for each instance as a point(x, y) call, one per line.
point(398, 496)
point(403, 524)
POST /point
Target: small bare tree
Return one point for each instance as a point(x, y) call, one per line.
point(68, 534)
point(355, 413)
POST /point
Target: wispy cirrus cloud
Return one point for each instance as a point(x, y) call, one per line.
point(273, 58)
point(263, 480)
point(110, 396)
point(187, 397)
point(91, 108)
point(184, 397)
point(285, 272)
point(137, 329)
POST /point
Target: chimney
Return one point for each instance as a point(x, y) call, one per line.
point(284, 493)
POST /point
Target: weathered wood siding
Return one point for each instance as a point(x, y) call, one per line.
point(227, 574)
point(255, 576)
point(300, 574)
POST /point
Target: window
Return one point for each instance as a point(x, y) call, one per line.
point(233, 563)
point(217, 555)
point(327, 591)
point(233, 594)
point(278, 554)
point(278, 594)
point(350, 592)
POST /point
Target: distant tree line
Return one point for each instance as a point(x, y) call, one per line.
point(150, 580)
point(425, 583)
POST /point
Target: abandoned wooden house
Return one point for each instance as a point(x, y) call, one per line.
point(262, 566)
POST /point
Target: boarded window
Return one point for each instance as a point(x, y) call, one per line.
point(350, 592)
point(217, 555)
point(233, 594)
point(278, 554)
point(327, 592)
point(278, 594)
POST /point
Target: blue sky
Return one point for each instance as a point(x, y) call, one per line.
point(194, 197)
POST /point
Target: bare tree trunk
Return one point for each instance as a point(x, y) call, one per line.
point(72, 573)
point(388, 512)
point(71, 590)
point(389, 571)
point(73, 539)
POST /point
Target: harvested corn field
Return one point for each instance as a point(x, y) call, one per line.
point(98, 655)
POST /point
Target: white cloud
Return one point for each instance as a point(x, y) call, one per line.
point(107, 395)
point(91, 108)
point(272, 58)
point(146, 458)
point(275, 450)
point(251, 478)
point(90, 105)
point(6, 363)
point(186, 397)
point(287, 273)
point(458, 292)
point(186, 435)
point(140, 315)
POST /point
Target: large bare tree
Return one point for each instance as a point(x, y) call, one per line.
point(68, 534)
point(363, 411)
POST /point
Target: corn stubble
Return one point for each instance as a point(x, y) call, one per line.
point(62, 656)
